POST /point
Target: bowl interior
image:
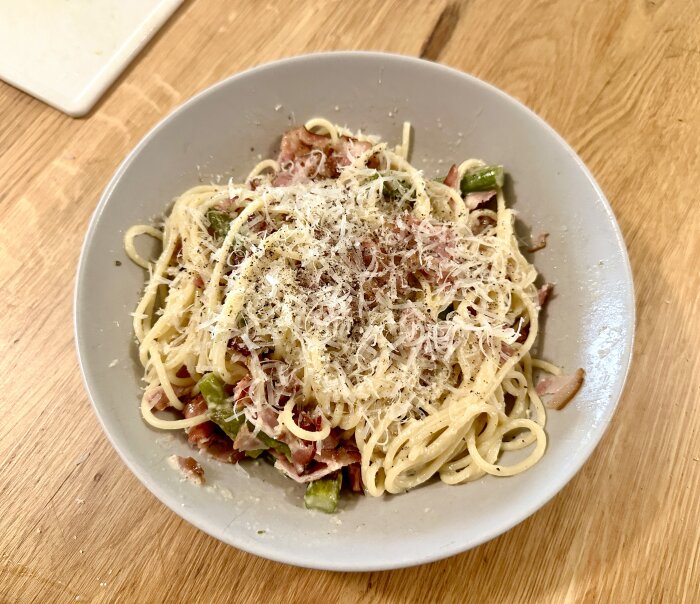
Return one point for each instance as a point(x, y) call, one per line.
point(222, 132)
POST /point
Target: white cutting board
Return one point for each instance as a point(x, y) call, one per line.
point(67, 52)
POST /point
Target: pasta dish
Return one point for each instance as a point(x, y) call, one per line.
point(347, 319)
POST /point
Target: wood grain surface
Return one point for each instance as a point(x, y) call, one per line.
point(619, 80)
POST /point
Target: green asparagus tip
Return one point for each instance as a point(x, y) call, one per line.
point(482, 179)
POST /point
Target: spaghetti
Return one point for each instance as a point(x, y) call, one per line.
point(345, 316)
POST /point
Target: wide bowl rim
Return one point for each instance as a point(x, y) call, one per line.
point(266, 550)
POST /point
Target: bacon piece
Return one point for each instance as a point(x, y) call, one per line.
point(300, 141)
point(189, 468)
point(370, 253)
point(543, 293)
point(539, 243)
point(331, 441)
point(220, 447)
point(348, 149)
point(354, 473)
point(306, 155)
point(310, 166)
point(208, 437)
point(429, 263)
point(268, 420)
point(524, 333)
point(195, 407)
point(507, 351)
point(282, 179)
point(344, 455)
point(452, 178)
point(289, 469)
point(313, 140)
point(284, 465)
point(200, 435)
point(158, 400)
point(237, 344)
point(475, 199)
point(240, 391)
point(307, 421)
point(324, 463)
point(482, 223)
point(226, 204)
point(302, 452)
point(561, 387)
point(246, 441)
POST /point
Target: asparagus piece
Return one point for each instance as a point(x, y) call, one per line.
point(219, 221)
point(221, 413)
point(482, 179)
point(271, 443)
point(323, 494)
point(212, 389)
point(220, 409)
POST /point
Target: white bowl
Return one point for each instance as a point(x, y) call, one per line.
point(590, 322)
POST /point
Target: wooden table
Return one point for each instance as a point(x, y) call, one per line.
point(619, 80)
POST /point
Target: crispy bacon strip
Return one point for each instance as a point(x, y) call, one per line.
point(246, 441)
point(507, 351)
point(326, 462)
point(562, 388)
point(208, 437)
point(543, 293)
point(348, 149)
point(452, 178)
point(483, 223)
point(539, 243)
point(305, 155)
point(158, 400)
point(355, 477)
point(300, 141)
point(189, 468)
point(475, 199)
point(198, 436)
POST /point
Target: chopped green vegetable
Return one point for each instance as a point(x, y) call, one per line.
point(225, 420)
point(323, 494)
point(221, 412)
point(219, 221)
point(274, 444)
point(220, 408)
point(212, 389)
point(255, 453)
point(482, 179)
point(395, 193)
